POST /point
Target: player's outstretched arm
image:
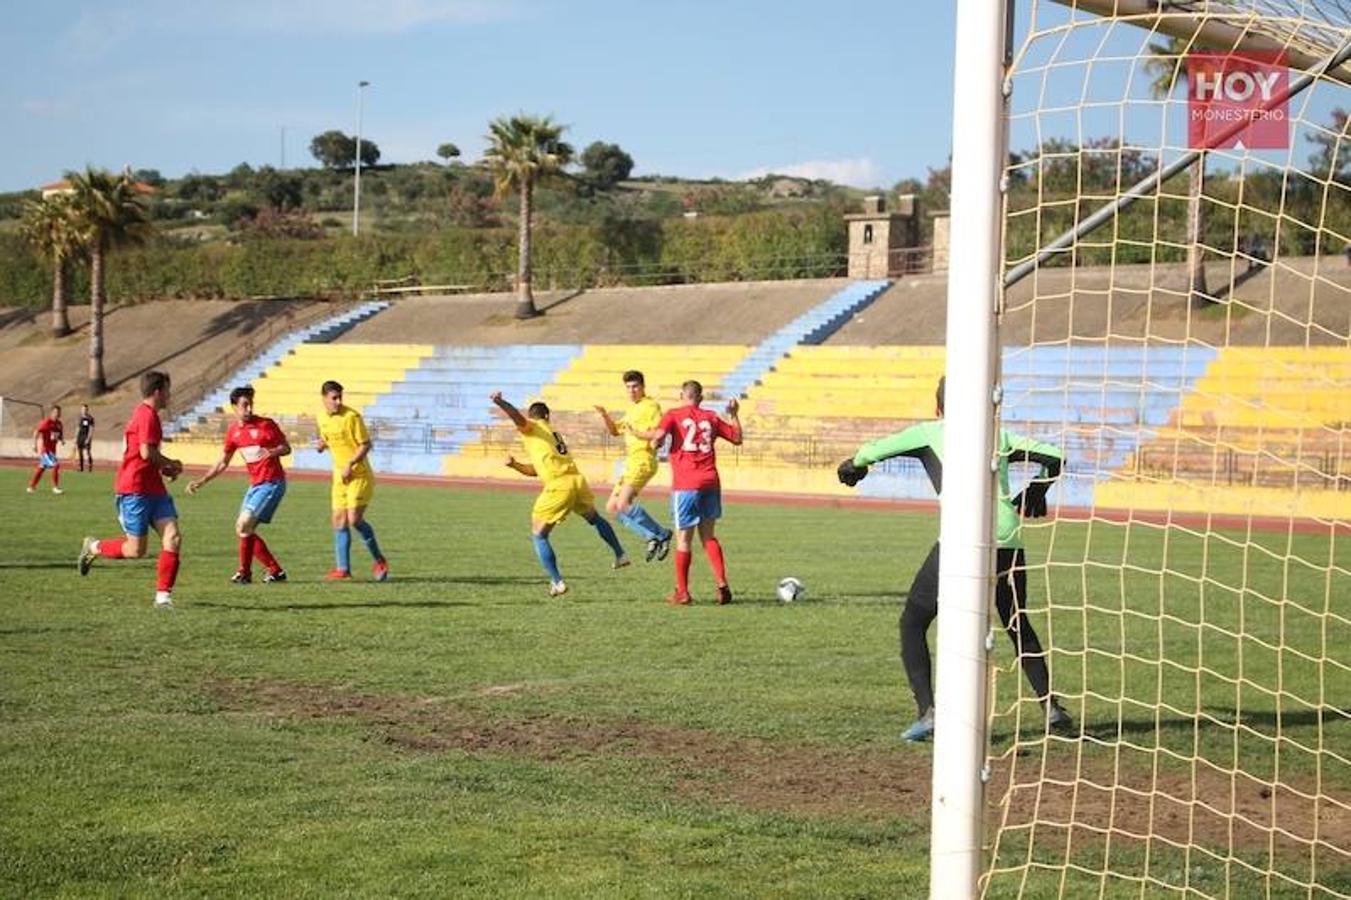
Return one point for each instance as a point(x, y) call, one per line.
point(221, 464)
point(524, 468)
point(610, 424)
point(512, 412)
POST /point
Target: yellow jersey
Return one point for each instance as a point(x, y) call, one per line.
point(547, 451)
point(641, 416)
point(344, 432)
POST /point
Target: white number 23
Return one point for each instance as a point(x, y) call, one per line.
point(698, 436)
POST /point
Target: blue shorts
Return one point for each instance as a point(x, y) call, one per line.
point(48, 461)
point(261, 500)
point(689, 508)
point(137, 512)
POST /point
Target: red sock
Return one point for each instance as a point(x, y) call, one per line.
point(246, 553)
point(56, 476)
point(111, 548)
point(714, 551)
point(37, 476)
point(167, 570)
point(265, 555)
point(682, 569)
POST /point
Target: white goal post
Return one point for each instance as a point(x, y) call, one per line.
point(1285, 654)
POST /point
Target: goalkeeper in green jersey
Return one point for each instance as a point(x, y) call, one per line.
point(925, 443)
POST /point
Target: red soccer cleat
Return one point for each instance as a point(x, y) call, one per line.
point(338, 575)
point(380, 570)
point(678, 599)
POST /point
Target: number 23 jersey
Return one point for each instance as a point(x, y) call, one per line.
point(694, 463)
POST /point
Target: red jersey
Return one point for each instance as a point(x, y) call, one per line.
point(49, 431)
point(136, 475)
point(694, 464)
point(252, 439)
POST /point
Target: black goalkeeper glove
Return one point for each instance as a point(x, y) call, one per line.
point(850, 474)
point(1031, 503)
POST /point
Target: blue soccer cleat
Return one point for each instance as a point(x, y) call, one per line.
point(921, 729)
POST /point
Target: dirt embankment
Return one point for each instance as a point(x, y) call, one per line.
point(193, 340)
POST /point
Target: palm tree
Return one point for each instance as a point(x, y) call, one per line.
point(49, 227)
point(521, 151)
point(109, 214)
point(1168, 65)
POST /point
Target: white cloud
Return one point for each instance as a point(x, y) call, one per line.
point(862, 172)
point(46, 107)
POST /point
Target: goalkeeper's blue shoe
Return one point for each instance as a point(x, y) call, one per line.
point(921, 729)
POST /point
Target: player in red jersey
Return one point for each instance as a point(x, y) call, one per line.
point(262, 445)
point(46, 436)
point(696, 491)
point(142, 500)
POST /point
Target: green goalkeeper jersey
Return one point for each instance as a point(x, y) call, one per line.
point(925, 443)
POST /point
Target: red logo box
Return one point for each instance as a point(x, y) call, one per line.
point(1238, 99)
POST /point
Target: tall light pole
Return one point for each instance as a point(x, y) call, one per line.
point(356, 190)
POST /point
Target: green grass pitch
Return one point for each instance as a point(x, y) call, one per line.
point(455, 732)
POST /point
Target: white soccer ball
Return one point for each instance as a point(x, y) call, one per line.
point(790, 589)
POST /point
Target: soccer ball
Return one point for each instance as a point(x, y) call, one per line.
point(790, 589)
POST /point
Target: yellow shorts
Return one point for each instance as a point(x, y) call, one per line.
point(353, 494)
point(561, 496)
point(638, 471)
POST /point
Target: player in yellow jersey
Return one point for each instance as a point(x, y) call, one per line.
point(640, 464)
point(342, 432)
point(565, 488)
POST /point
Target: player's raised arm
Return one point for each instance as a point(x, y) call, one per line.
point(734, 434)
point(512, 412)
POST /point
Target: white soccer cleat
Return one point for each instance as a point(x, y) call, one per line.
point(87, 555)
point(164, 600)
point(30, 490)
point(558, 588)
point(56, 490)
point(622, 562)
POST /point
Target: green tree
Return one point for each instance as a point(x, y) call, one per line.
point(109, 214)
point(606, 164)
point(334, 150)
point(448, 151)
point(1168, 66)
point(521, 151)
point(1332, 159)
point(50, 228)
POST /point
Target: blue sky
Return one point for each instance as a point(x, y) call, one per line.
point(857, 91)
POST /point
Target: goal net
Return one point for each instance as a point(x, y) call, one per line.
point(1189, 347)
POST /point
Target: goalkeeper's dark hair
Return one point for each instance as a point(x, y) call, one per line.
point(240, 393)
point(538, 410)
point(330, 387)
point(154, 381)
point(693, 389)
point(938, 394)
point(633, 376)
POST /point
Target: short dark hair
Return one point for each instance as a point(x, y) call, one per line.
point(942, 389)
point(240, 393)
point(154, 381)
point(56, 407)
point(693, 388)
point(633, 376)
point(538, 410)
point(331, 387)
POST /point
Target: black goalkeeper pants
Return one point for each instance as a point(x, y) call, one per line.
point(921, 606)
